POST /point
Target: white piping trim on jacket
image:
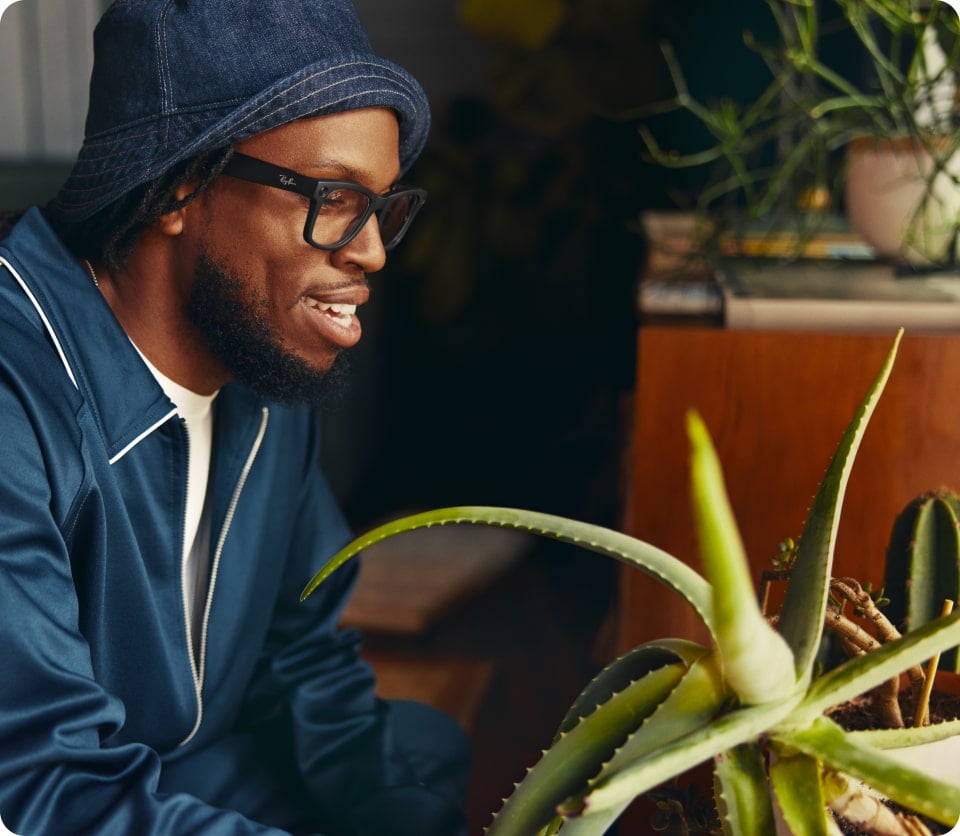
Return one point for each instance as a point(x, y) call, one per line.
point(117, 456)
point(43, 316)
point(228, 520)
point(63, 358)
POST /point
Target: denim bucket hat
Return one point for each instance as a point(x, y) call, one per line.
point(173, 78)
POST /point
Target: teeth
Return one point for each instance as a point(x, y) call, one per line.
point(339, 310)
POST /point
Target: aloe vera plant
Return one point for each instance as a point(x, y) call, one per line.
point(751, 701)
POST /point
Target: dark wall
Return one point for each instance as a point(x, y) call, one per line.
point(498, 354)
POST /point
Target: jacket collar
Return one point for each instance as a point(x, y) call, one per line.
point(125, 400)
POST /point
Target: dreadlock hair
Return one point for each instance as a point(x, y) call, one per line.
point(111, 234)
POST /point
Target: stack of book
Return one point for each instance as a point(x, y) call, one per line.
point(677, 280)
point(831, 280)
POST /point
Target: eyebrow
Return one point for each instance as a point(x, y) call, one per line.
point(349, 172)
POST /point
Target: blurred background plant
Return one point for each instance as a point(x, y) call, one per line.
point(847, 78)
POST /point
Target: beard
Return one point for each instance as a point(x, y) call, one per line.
point(233, 320)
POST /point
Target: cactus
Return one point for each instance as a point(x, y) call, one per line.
point(923, 563)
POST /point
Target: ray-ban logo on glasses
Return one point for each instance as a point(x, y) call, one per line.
point(287, 180)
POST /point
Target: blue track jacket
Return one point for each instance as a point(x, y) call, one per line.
point(108, 724)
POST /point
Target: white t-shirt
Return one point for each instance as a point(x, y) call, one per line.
point(197, 414)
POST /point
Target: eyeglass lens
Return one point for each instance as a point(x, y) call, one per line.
point(343, 210)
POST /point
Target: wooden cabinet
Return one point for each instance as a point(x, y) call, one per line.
point(776, 404)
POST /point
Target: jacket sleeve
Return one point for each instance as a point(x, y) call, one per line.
point(370, 766)
point(55, 776)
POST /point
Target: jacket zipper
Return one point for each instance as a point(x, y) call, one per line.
point(199, 668)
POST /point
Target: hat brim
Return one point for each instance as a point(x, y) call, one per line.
point(111, 164)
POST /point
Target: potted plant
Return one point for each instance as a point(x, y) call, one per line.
point(885, 143)
point(753, 702)
point(923, 562)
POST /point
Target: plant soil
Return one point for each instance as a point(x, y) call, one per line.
point(859, 713)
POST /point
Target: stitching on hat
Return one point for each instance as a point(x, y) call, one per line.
point(132, 141)
point(109, 139)
point(111, 147)
point(162, 59)
point(109, 135)
point(402, 82)
point(124, 134)
point(249, 123)
point(130, 162)
point(405, 92)
point(246, 124)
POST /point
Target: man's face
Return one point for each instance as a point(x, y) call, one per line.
point(275, 311)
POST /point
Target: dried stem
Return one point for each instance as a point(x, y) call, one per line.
point(857, 641)
point(767, 579)
point(850, 590)
point(921, 715)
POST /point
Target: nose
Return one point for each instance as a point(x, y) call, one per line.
point(366, 249)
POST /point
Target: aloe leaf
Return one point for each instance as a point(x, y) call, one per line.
point(696, 700)
point(805, 601)
point(577, 755)
point(796, 782)
point(860, 674)
point(554, 827)
point(626, 669)
point(740, 726)
point(656, 562)
point(911, 736)
point(743, 800)
point(757, 662)
point(688, 706)
point(827, 742)
point(586, 825)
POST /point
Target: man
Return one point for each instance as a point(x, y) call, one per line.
point(169, 321)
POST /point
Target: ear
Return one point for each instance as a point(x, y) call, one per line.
point(172, 223)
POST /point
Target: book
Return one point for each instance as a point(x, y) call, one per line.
point(838, 296)
point(824, 246)
point(679, 296)
point(676, 279)
point(829, 237)
point(674, 235)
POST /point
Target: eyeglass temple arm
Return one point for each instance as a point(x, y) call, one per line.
point(268, 174)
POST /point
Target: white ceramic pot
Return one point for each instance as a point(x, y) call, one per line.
point(889, 205)
point(940, 760)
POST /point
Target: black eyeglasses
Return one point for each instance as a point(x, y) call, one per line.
point(338, 208)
